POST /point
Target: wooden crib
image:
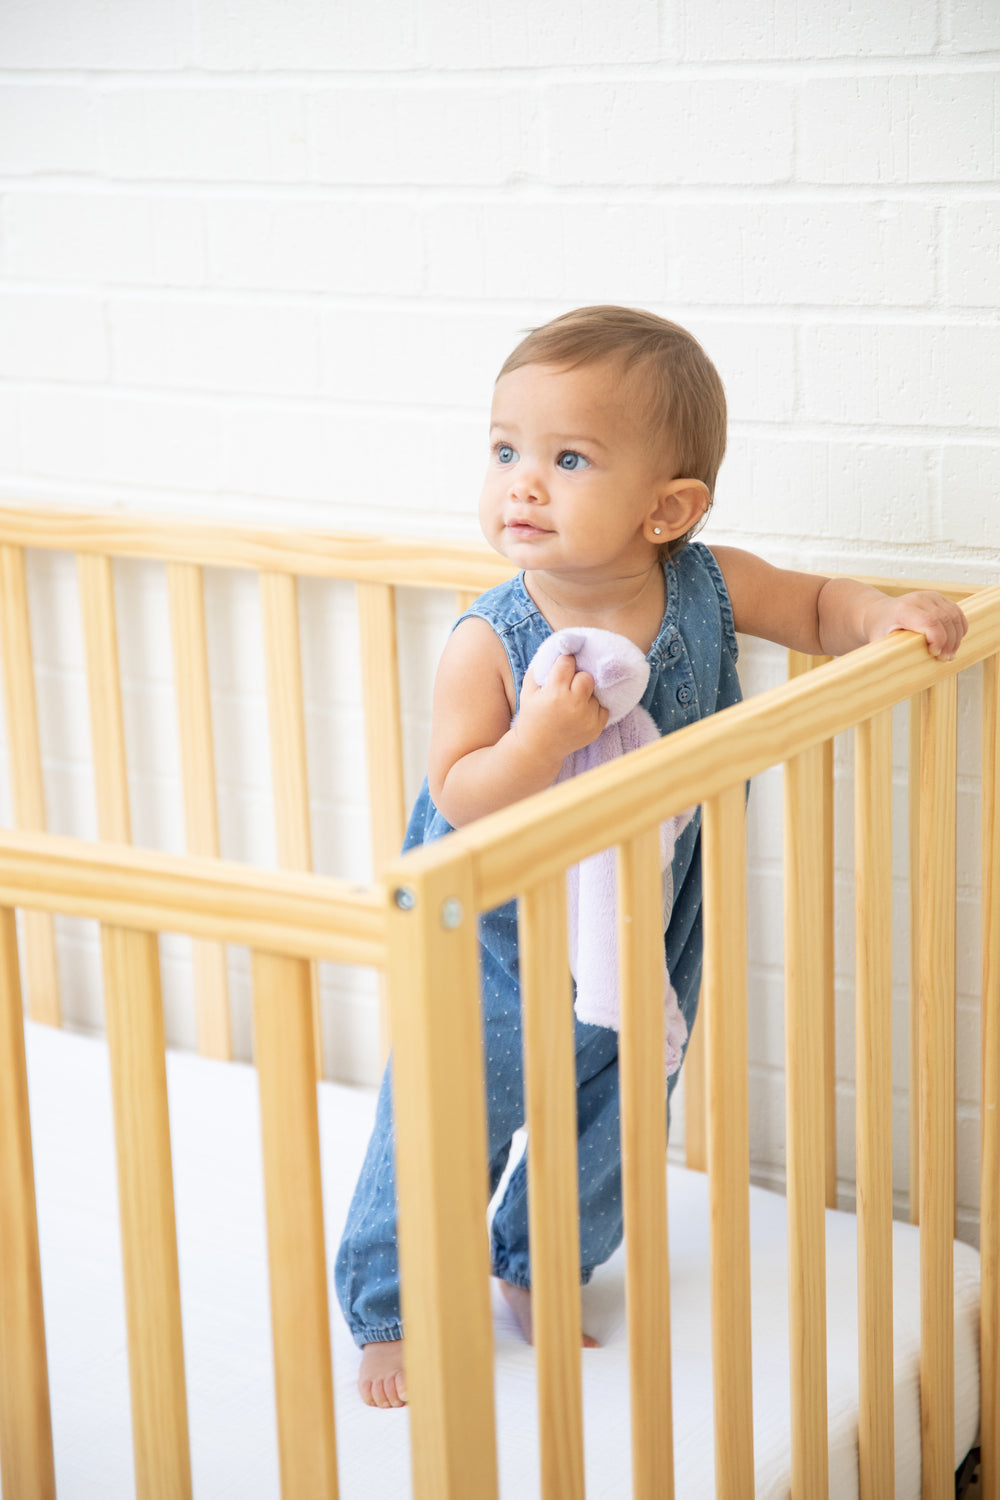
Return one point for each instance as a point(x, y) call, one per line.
point(416, 923)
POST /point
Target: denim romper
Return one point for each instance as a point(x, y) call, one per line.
point(692, 674)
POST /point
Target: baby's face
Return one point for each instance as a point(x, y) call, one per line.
point(571, 481)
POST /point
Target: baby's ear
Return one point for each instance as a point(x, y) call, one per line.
point(679, 506)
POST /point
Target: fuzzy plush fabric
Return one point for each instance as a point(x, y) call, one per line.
point(620, 673)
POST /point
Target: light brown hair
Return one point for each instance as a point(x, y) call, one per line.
point(677, 390)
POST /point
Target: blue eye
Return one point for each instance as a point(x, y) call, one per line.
point(505, 453)
point(569, 461)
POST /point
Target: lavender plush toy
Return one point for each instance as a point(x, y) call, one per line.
point(620, 673)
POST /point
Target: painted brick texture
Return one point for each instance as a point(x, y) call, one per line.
point(264, 266)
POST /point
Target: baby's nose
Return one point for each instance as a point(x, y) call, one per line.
point(526, 485)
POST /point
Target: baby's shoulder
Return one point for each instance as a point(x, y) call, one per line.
point(474, 660)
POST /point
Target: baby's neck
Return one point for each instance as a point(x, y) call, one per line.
point(631, 606)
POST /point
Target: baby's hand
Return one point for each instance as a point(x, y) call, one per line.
point(939, 621)
point(561, 716)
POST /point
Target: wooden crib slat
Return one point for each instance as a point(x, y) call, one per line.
point(989, 1234)
point(696, 1100)
point(829, 987)
point(380, 682)
point(20, 701)
point(383, 739)
point(873, 928)
point(210, 976)
point(136, 1046)
point(107, 725)
point(914, 862)
point(27, 782)
point(41, 967)
point(26, 1461)
point(300, 1318)
point(724, 988)
point(283, 663)
point(550, 1092)
point(465, 599)
point(938, 770)
point(797, 664)
point(442, 1178)
point(804, 1117)
point(644, 1147)
point(194, 715)
point(287, 723)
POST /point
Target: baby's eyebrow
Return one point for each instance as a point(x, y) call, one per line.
point(588, 442)
point(561, 440)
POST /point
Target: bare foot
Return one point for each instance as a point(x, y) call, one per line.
point(381, 1381)
point(518, 1299)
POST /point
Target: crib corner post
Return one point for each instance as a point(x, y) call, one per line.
point(442, 1176)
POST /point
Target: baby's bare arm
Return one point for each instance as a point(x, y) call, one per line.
point(479, 760)
point(852, 613)
point(829, 616)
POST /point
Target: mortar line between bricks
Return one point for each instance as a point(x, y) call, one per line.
point(805, 315)
point(328, 403)
point(695, 70)
point(532, 191)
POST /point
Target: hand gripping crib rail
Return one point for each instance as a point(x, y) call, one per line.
point(417, 923)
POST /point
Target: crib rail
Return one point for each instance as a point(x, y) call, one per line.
point(303, 916)
point(288, 920)
point(523, 852)
point(434, 564)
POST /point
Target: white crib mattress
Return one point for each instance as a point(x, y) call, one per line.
point(221, 1237)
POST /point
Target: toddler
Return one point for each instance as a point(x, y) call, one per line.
point(607, 431)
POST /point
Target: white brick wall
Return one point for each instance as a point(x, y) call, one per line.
point(262, 263)
point(912, 128)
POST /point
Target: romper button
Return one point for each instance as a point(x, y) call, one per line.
point(683, 695)
point(674, 649)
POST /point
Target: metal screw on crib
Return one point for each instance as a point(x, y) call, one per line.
point(451, 913)
point(405, 897)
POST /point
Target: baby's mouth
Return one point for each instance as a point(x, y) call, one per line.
point(526, 529)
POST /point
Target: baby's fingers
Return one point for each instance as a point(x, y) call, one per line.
point(582, 689)
point(943, 629)
point(959, 629)
point(561, 672)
